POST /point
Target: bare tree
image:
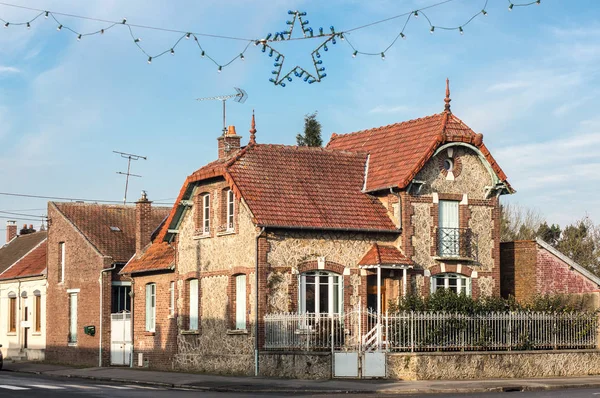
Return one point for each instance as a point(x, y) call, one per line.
point(519, 222)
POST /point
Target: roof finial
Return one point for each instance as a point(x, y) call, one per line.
point(447, 99)
point(253, 129)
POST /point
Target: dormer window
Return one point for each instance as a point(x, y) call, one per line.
point(230, 210)
point(206, 214)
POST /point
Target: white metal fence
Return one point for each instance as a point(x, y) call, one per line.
point(430, 331)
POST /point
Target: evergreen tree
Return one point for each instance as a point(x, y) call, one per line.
point(312, 131)
point(550, 234)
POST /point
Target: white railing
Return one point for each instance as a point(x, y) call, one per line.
point(431, 331)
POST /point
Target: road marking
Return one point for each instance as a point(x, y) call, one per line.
point(142, 387)
point(115, 387)
point(7, 387)
point(81, 386)
point(47, 386)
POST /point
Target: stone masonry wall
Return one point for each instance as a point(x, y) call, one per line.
point(215, 258)
point(467, 185)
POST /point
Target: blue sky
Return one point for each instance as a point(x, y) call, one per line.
point(527, 79)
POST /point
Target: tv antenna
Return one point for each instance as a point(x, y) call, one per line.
point(240, 97)
point(129, 157)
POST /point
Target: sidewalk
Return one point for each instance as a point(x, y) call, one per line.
point(260, 384)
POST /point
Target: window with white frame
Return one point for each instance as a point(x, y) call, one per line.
point(321, 292)
point(230, 210)
point(172, 299)
point(206, 213)
point(150, 307)
point(455, 282)
point(72, 318)
point(240, 302)
point(193, 291)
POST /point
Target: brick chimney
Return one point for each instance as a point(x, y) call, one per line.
point(143, 211)
point(25, 230)
point(229, 142)
point(11, 230)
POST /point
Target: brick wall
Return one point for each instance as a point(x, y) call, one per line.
point(157, 347)
point(82, 271)
point(528, 269)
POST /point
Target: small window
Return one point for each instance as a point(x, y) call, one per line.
point(459, 284)
point(61, 262)
point(193, 292)
point(115, 229)
point(12, 313)
point(172, 299)
point(240, 302)
point(230, 210)
point(150, 307)
point(448, 164)
point(72, 339)
point(206, 214)
point(121, 298)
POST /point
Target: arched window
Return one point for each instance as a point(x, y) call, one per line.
point(321, 292)
point(455, 282)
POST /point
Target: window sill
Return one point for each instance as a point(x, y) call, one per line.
point(11, 333)
point(203, 236)
point(72, 344)
point(36, 334)
point(146, 333)
point(225, 233)
point(453, 258)
point(190, 332)
point(234, 332)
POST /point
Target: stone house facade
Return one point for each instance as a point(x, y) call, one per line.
point(534, 267)
point(377, 214)
point(88, 244)
point(23, 294)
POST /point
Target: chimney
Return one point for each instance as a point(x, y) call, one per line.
point(25, 230)
point(143, 211)
point(11, 230)
point(229, 142)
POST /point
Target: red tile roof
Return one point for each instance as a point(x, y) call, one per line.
point(398, 151)
point(290, 186)
point(32, 264)
point(384, 255)
point(18, 247)
point(94, 221)
point(156, 257)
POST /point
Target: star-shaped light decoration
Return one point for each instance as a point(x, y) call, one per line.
point(280, 79)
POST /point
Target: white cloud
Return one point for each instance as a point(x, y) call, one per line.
point(512, 85)
point(9, 69)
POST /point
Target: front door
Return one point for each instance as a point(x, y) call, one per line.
point(372, 293)
point(120, 338)
point(25, 328)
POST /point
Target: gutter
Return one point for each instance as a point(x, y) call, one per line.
point(100, 280)
point(256, 304)
point(385, 231)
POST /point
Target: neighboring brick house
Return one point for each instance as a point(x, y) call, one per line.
point(23, 294)
point(88, 244)
point(409, 207)
point(534, 267)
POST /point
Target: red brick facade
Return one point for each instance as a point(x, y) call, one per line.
point(528, 269)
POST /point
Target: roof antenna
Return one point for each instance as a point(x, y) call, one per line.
point(447, 99)
point(129, 157)
point(240, 97)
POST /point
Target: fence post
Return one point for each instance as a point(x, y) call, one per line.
point(412, 331)
point(510, 331)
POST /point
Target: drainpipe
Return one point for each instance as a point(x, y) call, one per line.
point(131, 301)
point(20, 314)
point(399, 207)
point(101, 308)
point(256, 306)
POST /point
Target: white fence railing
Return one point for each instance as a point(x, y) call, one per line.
point(431, 331)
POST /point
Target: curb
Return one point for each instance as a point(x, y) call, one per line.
point(286, 390)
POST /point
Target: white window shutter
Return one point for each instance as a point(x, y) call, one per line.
point(240, 302)
point(194, 304)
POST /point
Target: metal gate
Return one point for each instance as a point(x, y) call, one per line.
point(120, 338)
point(362, 352)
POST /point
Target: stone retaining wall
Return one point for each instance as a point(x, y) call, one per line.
point(296, 365)
point(486, 365)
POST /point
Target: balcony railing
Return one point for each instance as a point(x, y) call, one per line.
point(456, 243)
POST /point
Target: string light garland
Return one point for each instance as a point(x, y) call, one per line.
point(278, 78)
